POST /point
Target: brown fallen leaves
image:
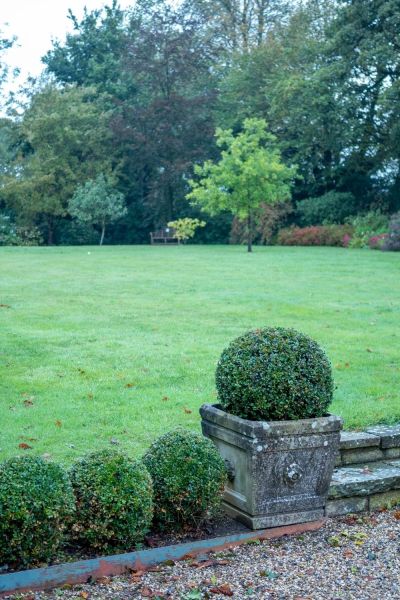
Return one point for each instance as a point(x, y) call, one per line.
point(146, 592)
point(223, 589)
point(209, 563)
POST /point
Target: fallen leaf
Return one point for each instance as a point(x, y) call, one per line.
point(137, 576)
point(187, 411)
point(28, 402)
point(24, 446)
point(165, 398)
point(130, 385)
point(5, 306)
point(146, 592)
point(84, 595)
point(90, 396)
point(369, 350)
point(223, 589)
point(347, 553)
point(396, 515)
point(204, 564)
point(58, 423)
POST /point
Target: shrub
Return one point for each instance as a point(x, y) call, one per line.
point(114, 500)
point(271, 217)
point(392, 241)
point(377, 242)
point(18, 235)
point(321, 235)
point(366, 226)
point(331, 208)
point(36, 503)
point(274, 374)
point(188, 477)
point(185, 228)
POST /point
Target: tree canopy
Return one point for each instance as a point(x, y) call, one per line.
point(250, 172)
point(138, 94)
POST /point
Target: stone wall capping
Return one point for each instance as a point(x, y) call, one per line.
point(365, 480)
point(389, 435)
point(350, 440)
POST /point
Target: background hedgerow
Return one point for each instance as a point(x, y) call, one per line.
point(114, 500)
point(317, 235)
point(274, 374)
point(36, 505)
point(330, 208)
point(188, 477)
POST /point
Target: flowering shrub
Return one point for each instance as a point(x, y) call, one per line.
point(377, 242)
point(392, 241)
point(372, 224)
point(318, 235)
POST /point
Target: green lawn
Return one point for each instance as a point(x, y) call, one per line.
point(121, 343)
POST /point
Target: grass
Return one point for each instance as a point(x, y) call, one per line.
point(119, 344)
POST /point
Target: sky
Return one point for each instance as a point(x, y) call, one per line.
point(35, 23)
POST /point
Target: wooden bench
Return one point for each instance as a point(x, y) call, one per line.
point(164, 236)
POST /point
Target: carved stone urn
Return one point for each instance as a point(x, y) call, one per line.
point(279, 471)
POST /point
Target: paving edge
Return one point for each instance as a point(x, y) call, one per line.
point(84, 570)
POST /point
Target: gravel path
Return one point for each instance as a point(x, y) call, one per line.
point(349, 558)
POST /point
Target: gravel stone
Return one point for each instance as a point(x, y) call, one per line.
point(356, 557)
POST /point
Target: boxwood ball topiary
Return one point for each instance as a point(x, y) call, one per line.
point(188, 477)
point(274, 374)
point(114, 500)
point(36, 503)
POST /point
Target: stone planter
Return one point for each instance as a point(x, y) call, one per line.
point(279, 471)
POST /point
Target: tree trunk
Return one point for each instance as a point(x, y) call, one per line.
point(249, 234)
point(103, 230)
point(50, 232)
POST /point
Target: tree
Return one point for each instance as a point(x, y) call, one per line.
point(249, 173)
point(290, 82)
point(169, 124)
point(64, 140)
point(97, 203)
point(5, 44)
point(91, 54)
point(364, 42)
point(185, 228)
point(239, 25)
